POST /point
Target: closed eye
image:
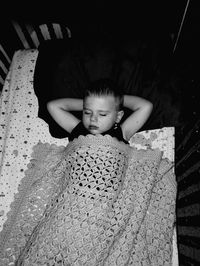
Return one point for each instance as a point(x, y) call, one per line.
point(87, 112)
point(103, 114)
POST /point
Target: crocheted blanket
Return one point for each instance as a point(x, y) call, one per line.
point(95, 202)
point(118, 200)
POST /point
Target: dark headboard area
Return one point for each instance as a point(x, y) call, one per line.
point(69, 59)
point(65, 67)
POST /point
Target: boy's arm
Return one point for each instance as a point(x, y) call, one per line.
point(141, 112)
point(60, 111)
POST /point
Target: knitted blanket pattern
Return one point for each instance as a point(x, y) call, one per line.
point(95, 202)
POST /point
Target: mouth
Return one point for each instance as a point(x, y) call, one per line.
point(92, 127)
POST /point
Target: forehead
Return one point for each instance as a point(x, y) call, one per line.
point(107, 102)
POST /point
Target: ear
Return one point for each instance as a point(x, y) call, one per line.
point(119, 116)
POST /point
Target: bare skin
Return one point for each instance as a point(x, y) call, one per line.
point(100, 113)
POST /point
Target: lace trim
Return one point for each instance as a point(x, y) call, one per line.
point(98, 140)
point(107, 140)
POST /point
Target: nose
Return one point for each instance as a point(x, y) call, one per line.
point(93, 118)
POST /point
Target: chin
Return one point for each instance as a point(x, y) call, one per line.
point(94, 132)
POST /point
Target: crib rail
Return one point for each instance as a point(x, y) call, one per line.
point(4, 65)
point(188, 178)
point(31, 36)
point(27, 36)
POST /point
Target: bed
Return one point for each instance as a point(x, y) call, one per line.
point(23, 127)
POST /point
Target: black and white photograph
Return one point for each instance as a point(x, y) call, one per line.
point(99, 133)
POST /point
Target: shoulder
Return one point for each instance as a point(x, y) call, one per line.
point(117, 133)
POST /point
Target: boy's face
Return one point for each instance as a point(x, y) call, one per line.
point(100, 113)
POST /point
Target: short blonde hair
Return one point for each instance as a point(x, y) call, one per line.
point(105, 87)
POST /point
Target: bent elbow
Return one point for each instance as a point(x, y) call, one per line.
point(50, 106)
point(149, 107)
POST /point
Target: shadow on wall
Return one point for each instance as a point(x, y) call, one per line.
point(65, 67)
